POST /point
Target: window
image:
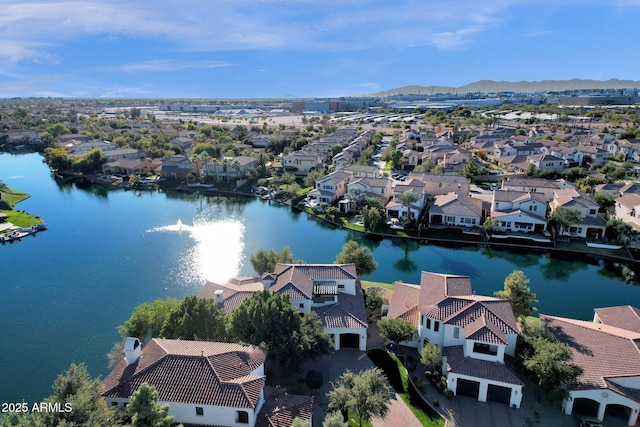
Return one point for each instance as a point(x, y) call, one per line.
point(485, 348)
point(340, 287)
point(592, 212)
point(242, 417)
point(301, 305)
point(456, 332)
point(114, 403)
point(428, 323)
point(199, 410)
point(436, 326)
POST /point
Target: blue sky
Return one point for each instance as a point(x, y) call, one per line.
point(305, 48)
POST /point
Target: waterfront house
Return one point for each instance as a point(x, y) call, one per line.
point(229, 168)
point(627, 209)
point(607, 351)
point(330, 187)
point(519, 211)
point(590, 225)
point(362, 171)
point(535, 185)
point(204, 383)
point(333, 291)
point(435, 185)
point(395, 209)
point(178, 166)
point(476, 334)
point(455, 209)
point(301, 162)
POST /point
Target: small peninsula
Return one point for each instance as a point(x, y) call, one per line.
point(15, 224)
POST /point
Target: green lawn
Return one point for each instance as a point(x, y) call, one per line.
point(369, 284)
point(399, 380)
point(16, 217)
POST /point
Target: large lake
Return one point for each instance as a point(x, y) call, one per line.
point(65, 290)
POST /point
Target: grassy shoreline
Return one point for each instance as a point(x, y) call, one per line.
point(16, 217)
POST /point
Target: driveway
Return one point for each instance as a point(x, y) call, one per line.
point(332, 366)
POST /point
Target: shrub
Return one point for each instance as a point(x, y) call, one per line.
point(5, 205)
point(449, 394)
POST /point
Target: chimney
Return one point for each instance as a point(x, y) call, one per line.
point(132, 350)
point(219, 296)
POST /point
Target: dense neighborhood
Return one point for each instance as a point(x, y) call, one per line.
point(544, 179)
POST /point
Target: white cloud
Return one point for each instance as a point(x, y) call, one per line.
point(165, 66)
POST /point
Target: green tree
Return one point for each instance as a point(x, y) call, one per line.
point(562, 218)
point(312, 339)
point(299, 422)
point(471, 169)
point(89, 162)
point(76, 390)
point(408, 198)
point(396, 330)
point(147, 319)
point(371, 216)
point(603, 199)
point(145, 410)
point(532, 170)
point(431, 357)
point(268, 320)
point(331, 212)
point(58, 158)
point(618, 227)
point(265, 261)
point(334, 419)
point(198, 319)
point(373, 300)
point(365, 393)
point(361, 256)
point(312, 176)
point(546, 360)
point(517, 291)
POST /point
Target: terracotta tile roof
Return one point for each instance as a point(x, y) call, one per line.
point(494, 371)
point(434, 287)
point(302, 276)
point(404, 302)
point(234, 291)
point(456, 204)
point(624, 317)
point(600, 350)
point(280, 408)
point(198, 372)
point(484, 330)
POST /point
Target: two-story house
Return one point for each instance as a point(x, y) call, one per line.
point(204, 383)
point(396, 209)
point(535, 185)
point(607, 351)
point(627, 209)
point(330, 187)
point(474, 333)
point(229, 168)
point(301, 162)
point(590, 225)
point(178, 166)
point(519, 211)
point(333, 291)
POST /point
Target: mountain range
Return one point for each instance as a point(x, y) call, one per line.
point(488, 86)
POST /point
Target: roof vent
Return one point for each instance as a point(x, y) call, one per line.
point(219, 296)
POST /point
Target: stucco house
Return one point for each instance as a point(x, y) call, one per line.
point(204, 383)
point(590, 225)
point(330, 187)
point(474, 333)
point(519, 211)
point(178, 166)
point(228, 168)
point(607, 350)
point(454, 209)
point(301, 162)
point(435, 185)
point(333, 291)
point(535, 185)
point(627, 209)
point(396, 209)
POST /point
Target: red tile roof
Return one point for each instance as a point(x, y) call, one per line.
point(280, 408)
point(625, 317)
point(302, 276)
point(198, 372)
point(602, 351)
point(494, 371)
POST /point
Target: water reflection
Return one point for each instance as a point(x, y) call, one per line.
point(559, 269)
point(217, 254)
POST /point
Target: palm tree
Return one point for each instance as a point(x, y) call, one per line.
point(408, 198)
point(215, 164)
point(225, 166)
point(236, 165)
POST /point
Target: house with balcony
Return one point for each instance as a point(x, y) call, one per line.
point(396, 210)
point(333, 291)
point(519, 211)
point(329, 188)
point(455, 210)
point(301, 162)
point(627, 209)
point(228, 168)
point(178, 166)
point(590, 225)
point(607, 351)
point(203, 383)
point(475, 334)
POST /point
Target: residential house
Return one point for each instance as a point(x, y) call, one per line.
point(362, 171)
point(630, 148)
point(627, 209)
point(330, 188)
point(178, 166)
point(571, 155)
point(228, 168)
point(333, 291)
point(409, 159)
point(435, 185)
point(591, 225)
point(455, 209)
point(131, 167)
point(396, 210)
point(203, 383)
point(546, 162)
point(596, 155)
point(535, 185)
point(476, 334)
point(379, 188)
point(607, 351)
point(341, 160)
point(519, 211)
point(301, 162)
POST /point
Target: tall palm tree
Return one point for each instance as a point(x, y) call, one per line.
point(236, 165)
point(408, 198)
point(214, 162)
point(225, 166)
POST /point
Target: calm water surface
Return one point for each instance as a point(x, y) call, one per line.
point(65, 290)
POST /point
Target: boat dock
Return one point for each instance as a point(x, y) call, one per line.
point(17, 233)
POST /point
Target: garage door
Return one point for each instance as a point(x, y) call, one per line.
point(496, 393)
point(349, 341)
point(468, 388)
